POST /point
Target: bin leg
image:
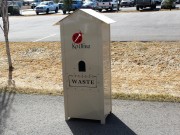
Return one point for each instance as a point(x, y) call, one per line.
point(66, 118)
point(103, 121)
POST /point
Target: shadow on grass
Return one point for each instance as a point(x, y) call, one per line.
point(6, 100)
point(113, 126)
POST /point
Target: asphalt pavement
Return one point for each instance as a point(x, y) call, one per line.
point(137, 26)
point(44, 115)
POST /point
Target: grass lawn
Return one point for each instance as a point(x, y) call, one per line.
point(140, 70)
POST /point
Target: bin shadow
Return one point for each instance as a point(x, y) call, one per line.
point(6, 100)
point(113, 126)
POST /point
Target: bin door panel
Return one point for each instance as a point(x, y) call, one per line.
point(84, 103)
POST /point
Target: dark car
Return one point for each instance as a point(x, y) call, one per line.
point(141, 4)
point(13, 7)
point(158, 2)
point(127, 3)
point(178, 1)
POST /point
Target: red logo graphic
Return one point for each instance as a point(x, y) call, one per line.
point(77, 38)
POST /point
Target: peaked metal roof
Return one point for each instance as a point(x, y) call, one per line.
point(93, 13)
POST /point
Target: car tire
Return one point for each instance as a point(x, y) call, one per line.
point(117, 7)
point(75, 9)
point(137, 8)
point(64, 11)
point(100, 10)
point(112, 8)
point(56, 10)
point(37, 13)
point(153, 7)
point(47, 11)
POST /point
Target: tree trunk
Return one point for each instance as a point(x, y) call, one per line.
point(8, 53)
point(5, 18)
point(5, 29)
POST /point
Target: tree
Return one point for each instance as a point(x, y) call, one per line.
point(67, 5)
point(5, 29)
point(170, 3)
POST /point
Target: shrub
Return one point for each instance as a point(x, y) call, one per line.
point(167, 4)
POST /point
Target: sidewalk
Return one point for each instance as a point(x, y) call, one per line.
point(44, 115)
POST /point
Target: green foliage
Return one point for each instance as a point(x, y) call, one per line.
point(168, 4)
point(67, 5)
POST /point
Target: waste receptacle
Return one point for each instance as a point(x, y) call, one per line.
point(86, 63)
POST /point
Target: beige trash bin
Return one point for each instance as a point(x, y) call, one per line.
point(86, 61)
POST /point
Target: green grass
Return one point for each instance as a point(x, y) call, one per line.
point(138, 70)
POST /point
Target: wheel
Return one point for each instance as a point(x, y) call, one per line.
point(56, 10)
point(37, 13)
point(137, 8)
point(153, 7)
point(112, 8)
point(75, 9)
point(100, 10)
point(47, 11)
point(11, 13)
point(64, 11)
point(117, 7)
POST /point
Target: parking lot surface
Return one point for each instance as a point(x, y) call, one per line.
point(44, 115)
point(136, 26)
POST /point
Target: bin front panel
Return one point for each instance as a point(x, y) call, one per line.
point(82, 50)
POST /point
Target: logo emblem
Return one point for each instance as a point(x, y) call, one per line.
point(77, 38)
